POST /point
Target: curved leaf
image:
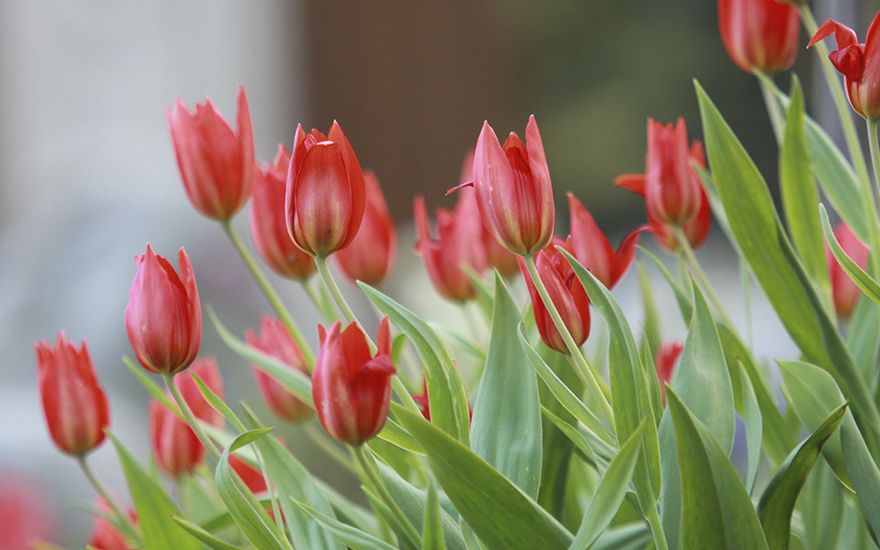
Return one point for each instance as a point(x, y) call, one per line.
point(858, 275)
point(346, 534)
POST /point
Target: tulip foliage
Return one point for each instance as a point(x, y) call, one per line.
point(553, 421)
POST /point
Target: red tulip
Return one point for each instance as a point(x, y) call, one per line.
point(105, 535)
point(176, 448)
point(371, 255)
point(275, 340)
point(164, 316)
point(75, 404)
point(458, 245)
point(268, 221)
point(215, 162)
point(567, 294)
point(591, 248)
point(759, 34)
point(351, 389)
point(672, 188)
point(513, 188)
point(325, 198)
point(666, 361)
point(249, 474)
point(844, 291)
point(859, 63)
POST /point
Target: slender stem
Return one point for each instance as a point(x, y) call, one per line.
point(269, 292)
point(656, 527)
point(569, 341)
point(774, 111)
point(333, 288)
point(369, 467)
point(190, 417)
point(131, 531)
point(685, 247)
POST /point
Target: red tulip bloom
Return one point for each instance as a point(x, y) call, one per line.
point(567, 294)
point(75, 404)
point(844, 291)
point(176, 448)
point(859, 63)
point(666, 361)
point(458, 244)
point(350, 388)
point(325, 198)
point(513, 188)
point(371, 255)
point(268, 221)
point(164, 316)
point(275, 340)
point(591, 248)
point(759, 34)
point(216, 163)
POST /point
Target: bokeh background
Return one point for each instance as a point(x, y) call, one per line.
point(88, 177)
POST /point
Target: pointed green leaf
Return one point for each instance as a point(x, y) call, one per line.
point(214, 400)
point(506, 427)
point(716, 510)
point(346, 534)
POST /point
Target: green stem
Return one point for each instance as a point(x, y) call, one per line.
point(572, 346)
point(190, 417)
point(333, 288)
point(269, 292)
point(369, 467)
point(694, 265)
point(131, 531)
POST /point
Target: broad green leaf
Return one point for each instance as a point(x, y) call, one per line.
point(501, 516)
point(822, 507)
point(777, 502)
point(610, 492)
point(204, 536)
point(247, 512)
point(630, 385)
point(754, 428)
point(449, 406)
point(432, 534)
point(763, 242)
point(154, 508)
point(862, 470)
point(506, 427)
point(716, 510)
point(346, 534)
point(799, 193)
point(858, 275)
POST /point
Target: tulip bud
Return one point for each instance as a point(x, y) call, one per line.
point(566, 293)
point(268, 221)
point(844, 291)
point(351, 389)
point(513, 189)
point(164, 316)
point(215, 162)
point(672, 189)
point(665, 363)
point(858, 63)
point(176, 448)
point(325, 197)
point(371, 255)
point(591, 248)
point(75, 404)
point(275, 340)
point(759, 34)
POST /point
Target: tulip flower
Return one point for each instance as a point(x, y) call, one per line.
point(696, 230)
point(844, 291)
point(591, 248)
point(371, 255)
point(325, 197)
point(759, 34)
point(164, 316)
point(672, 188)
point(249, 474)
point(858, 63)
point(268, 221)
point(275, 340)
point(457, 245)
point(567, 294)
point(75, 404)
point(513, 189)
point(216, 163)
point(665, 363)
point(351, 389)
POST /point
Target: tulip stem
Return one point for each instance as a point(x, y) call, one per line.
point(696, 269)
point(122, 518)
point(341, 304)
point(190, 417)
point(581, 363)
point(361, 452)
point(269, 292)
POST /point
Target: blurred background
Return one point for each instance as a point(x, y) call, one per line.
point(88, 176)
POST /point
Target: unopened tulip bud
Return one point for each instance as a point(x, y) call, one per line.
point(759, 34)
point(176, 448)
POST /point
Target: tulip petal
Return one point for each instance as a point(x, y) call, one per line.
point(323, 192)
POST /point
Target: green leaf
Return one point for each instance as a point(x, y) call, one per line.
point(764, 244)
point(506, 427)
point(346, 534)
point(863, 471)
point(754, 428)
point(501, 516)
point(581, 441)
point(610, 492)
point(214, 400)
point(716, 510)
point(864, 281)
point(863, 336)
point(633, 536)
point(204, 536)
point(432, 536)
point(449, 406)
point(154, 508)
point(777, 502)
point(651, 324)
